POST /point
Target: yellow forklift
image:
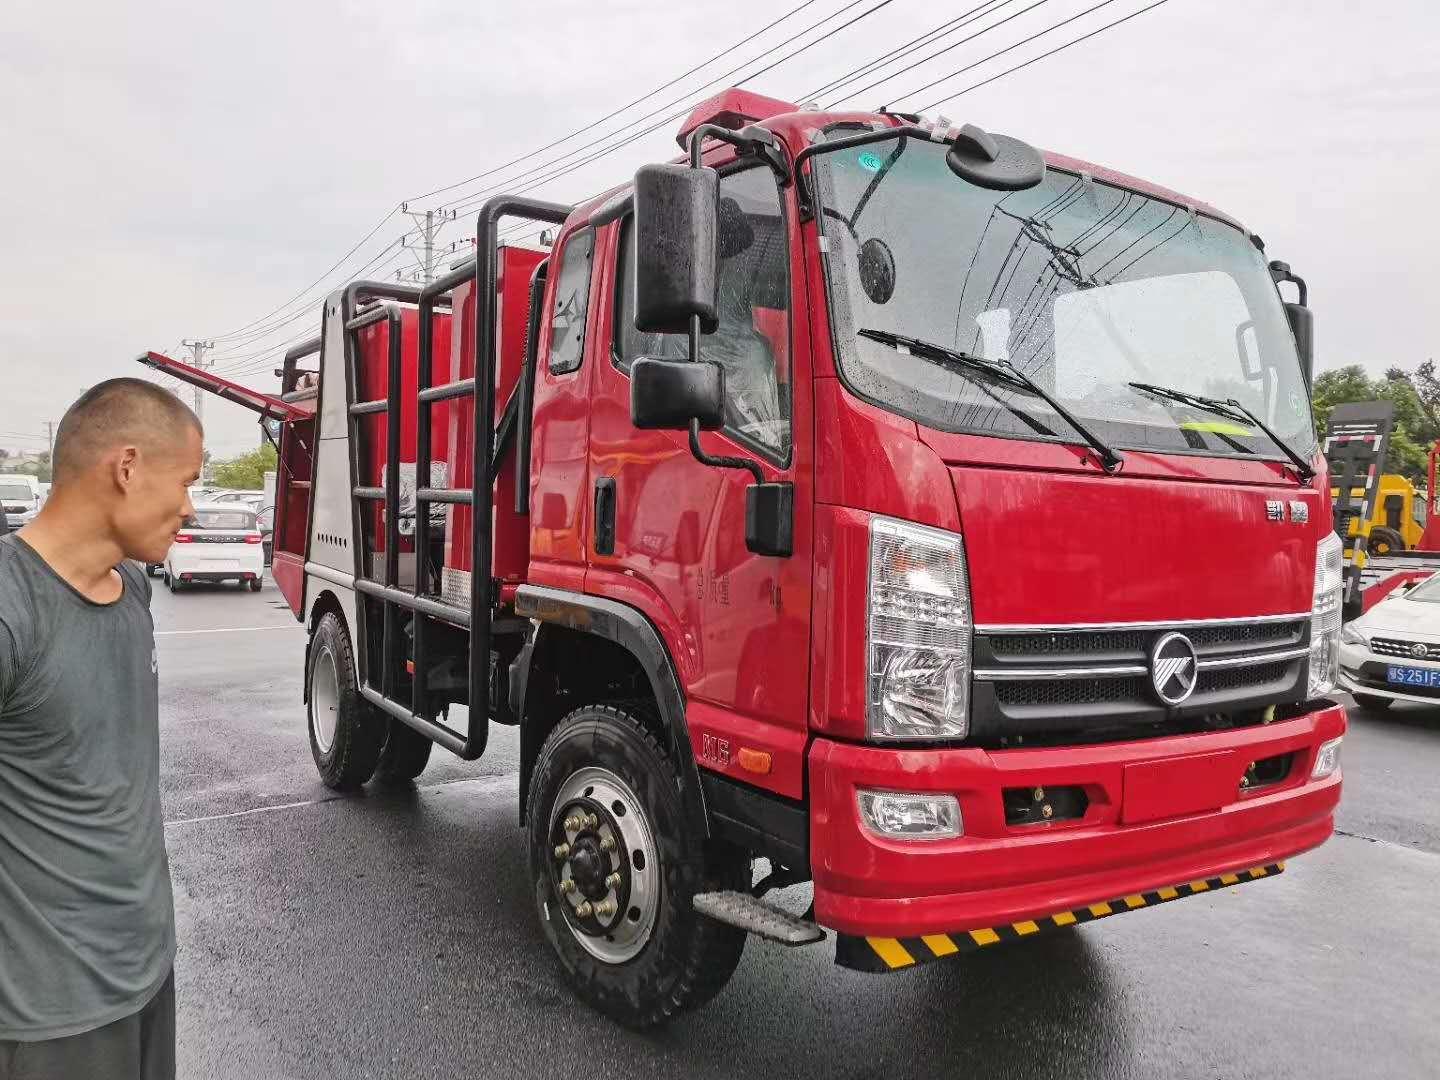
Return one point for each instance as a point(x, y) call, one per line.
point(1397, 516)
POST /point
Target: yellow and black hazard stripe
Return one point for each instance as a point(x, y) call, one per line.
point(892, 954)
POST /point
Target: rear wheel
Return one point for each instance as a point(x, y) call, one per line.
point(346, 731)
point(255, 584)
point(615, 869)
point(404, 756)
point(1373, 703)
point(172, 581)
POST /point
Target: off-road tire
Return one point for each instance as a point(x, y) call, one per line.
point(1372, 702)
point(354, 749)
point(403, 757)
point(688, 958)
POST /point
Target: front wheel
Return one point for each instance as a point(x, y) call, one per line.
point(615, 869)
point(1383, 541)
point(346, 731)
point(1373, 703)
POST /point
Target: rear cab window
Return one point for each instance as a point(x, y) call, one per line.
point(228, 520)
point(572, 303)
point(752, 342)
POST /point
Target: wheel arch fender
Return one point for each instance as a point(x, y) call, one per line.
point(324, 602)
point(559, 614)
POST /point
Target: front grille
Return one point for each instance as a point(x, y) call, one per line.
point(1208, 640)
point(1057, 682)
point(1070, 691)
point(1401, 647)
point(1251, 677)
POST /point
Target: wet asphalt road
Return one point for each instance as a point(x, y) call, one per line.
point(390, 935)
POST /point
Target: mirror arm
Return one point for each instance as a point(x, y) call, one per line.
point(749, 140)
point(718, 461)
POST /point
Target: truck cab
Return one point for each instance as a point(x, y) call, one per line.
point(885, 504)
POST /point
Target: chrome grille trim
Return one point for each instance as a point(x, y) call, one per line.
point(1125, 670)
point(1170, 624)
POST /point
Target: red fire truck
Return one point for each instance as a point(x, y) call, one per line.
point(860, 499)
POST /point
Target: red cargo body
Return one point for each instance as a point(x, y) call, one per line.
point(511, 539)
point(373, 356)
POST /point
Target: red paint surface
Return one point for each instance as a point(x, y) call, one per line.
point(998, 873)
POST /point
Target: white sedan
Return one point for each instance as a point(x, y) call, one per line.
point(1392, 652)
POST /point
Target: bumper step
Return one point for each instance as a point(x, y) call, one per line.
point(892, 954)
point(756, 917)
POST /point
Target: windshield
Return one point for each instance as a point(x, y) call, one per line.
point(1083, 286)
point(16, 493)
point(1427, 592)
point(220, 519)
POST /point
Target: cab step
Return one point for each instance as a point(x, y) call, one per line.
point(755, 916)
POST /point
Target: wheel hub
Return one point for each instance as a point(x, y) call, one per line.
point(605, 867)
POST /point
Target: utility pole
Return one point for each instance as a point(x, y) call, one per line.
point(429, 223)
point(197, 359)
point(50, 427)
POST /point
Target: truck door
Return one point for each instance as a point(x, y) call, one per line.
point(667, 533)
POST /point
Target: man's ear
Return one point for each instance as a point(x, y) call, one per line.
point(126, 467)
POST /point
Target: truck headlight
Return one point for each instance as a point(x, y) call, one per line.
point(918, 633)
point(1325, 616)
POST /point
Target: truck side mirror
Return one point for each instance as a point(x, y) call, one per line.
point(677, 215)
point(1302, 322)
point(1302, 325)
point(666, 395)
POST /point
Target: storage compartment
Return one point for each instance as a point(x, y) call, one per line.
point(511, 538)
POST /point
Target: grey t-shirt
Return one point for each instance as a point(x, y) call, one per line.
point(87, 922)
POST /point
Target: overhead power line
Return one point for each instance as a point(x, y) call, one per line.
point(1042, 56)
point(938, 52)
point(623, 108)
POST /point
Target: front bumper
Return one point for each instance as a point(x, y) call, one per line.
point(1000, 874)
point(1364, 672)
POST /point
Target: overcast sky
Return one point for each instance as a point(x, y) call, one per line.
point(179, 170)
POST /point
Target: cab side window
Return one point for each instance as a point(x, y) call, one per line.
point(572, 302)
point(752, 342)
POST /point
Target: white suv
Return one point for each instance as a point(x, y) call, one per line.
point(1392, 652)
point(220, 542)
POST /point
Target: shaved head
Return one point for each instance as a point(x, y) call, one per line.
point(114, 414)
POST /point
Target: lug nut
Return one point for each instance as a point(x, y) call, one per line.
point(573, 823)
point(591, 821)
point(584, 909)
point(605, 909)
point(1039, 794)
point(613, 881)
point(607, 843)
point(1047, 810)
point(562, 851)
point(567, 885)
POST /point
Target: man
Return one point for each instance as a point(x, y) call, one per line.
point(87, 924)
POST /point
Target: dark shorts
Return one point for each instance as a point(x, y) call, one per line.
point(138, 1047)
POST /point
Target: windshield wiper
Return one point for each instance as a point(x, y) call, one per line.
point(1000, 370)
point(1234, 411)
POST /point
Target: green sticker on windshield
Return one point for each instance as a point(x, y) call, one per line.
point(1218, 427)
point(871, 162)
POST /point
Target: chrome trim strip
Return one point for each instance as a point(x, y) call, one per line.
point(335, 577)
point(1063, 628)
point(1124, 670)
point(1255, 659)
point(1004, 674)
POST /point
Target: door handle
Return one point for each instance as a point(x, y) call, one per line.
point(605, 516)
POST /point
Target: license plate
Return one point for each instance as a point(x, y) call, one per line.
point(221, 564)
point(1413, 676)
